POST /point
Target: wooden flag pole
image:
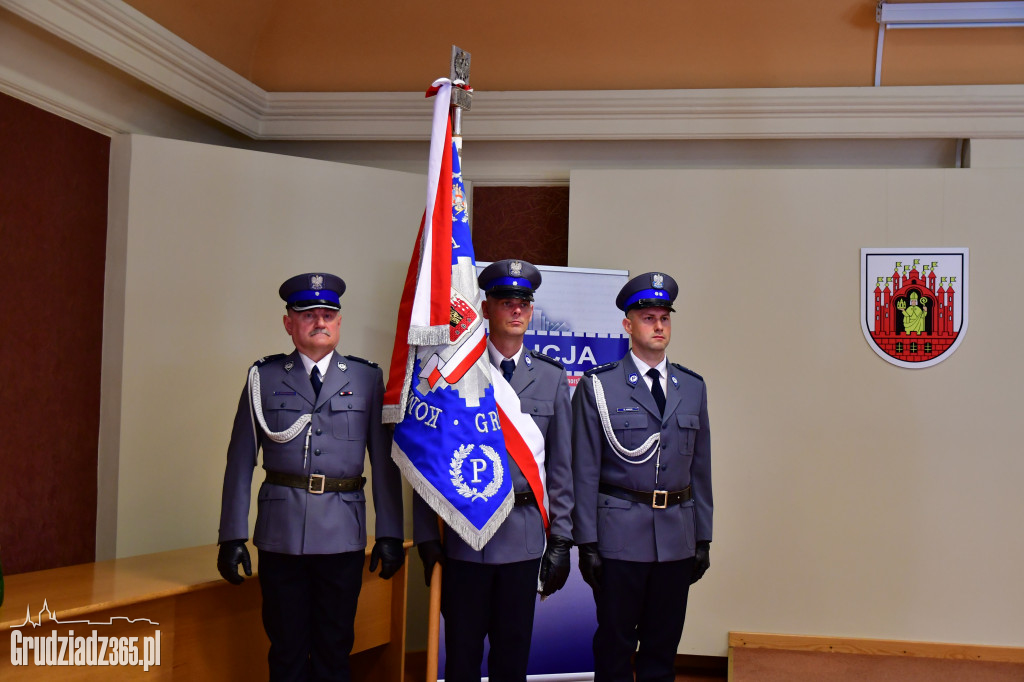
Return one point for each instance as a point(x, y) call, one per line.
point(434, 624)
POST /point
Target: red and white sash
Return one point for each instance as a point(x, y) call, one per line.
point(523, 439)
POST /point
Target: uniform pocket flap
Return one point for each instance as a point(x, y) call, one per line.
point(607, 501)
point(348, 403)
point(288, 403)
point(539, 407)
point(629, 420)
point(688, 421)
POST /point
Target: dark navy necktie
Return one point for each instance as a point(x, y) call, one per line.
point(314, 378)
point(507, 367)
point(656, 390)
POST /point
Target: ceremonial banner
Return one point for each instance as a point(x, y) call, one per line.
point(448, 441)
point(913, 303)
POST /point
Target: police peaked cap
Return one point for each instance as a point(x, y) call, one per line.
point(510, 278)
point(312, 290)
point(649, 290)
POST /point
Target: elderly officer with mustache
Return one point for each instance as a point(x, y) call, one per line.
point(315, 413)
point(642, 475)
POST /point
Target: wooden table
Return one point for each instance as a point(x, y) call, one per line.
point(207, 628)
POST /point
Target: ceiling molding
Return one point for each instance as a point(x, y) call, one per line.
point(133, 43)
point(46, 98)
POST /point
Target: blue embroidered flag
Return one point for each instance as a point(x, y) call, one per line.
point(448, 438)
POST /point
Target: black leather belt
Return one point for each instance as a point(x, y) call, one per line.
point(317, 483)
point(526, 498)
point(658, 499)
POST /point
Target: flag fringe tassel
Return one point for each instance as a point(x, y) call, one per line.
point(392, 414)
point(473, 536)
point(436, 335)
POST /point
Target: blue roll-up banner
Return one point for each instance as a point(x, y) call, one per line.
point(576, 322)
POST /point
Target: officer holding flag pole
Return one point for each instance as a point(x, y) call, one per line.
point(491, 592)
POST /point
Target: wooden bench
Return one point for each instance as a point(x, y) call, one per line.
point(208, 629)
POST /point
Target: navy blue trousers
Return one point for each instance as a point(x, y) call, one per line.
point(496, 601)
point(643, 604)
point(309, 609)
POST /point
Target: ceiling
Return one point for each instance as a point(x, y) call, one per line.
point(402, 45)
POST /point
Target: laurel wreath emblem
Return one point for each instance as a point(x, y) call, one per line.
point(466, 490)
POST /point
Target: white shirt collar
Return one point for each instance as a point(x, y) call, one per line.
point(642, 366)
point(324, 363)
point(496, 357)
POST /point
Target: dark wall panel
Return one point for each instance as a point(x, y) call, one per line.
point(531, 223)
point(53, 225)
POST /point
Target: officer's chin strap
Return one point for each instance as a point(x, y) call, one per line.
point(277, 436)
point(649, 446)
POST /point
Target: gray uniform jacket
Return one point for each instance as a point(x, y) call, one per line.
point(543, 393)
point(346, 423)
point(632, 531)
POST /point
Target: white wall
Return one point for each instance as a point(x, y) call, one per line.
point(211, 234)
point(853, 498)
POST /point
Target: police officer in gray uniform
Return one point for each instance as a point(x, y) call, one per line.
point(642, 472)
point(492, 592)
point(315, 413)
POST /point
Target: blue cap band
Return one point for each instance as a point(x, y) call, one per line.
point(647, 293)
point(325, 295)
point(510, 282)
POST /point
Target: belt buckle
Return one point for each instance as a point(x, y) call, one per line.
point(664, 499)
point(316, 484)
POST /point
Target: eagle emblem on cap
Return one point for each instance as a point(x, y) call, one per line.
point(316, 282)
point(515, 268)
point(658, 280)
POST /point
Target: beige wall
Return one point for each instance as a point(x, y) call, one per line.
point(211, 233)
point(852, 497)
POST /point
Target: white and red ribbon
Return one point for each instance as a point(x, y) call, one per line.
point(523, 439)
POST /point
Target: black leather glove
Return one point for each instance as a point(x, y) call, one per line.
point(431, 553)
point(391, 555)
point(590, 565)
point(230, 554)
point(702, 561)
point(554, 566)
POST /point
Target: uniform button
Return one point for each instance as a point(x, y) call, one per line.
point(282, 404)
point(627, 423)
point(535, 409)
point(316, 452)
point(319, 431)
point(350, 406)
point(318, 410)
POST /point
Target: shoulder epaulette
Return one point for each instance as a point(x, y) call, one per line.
point(546, 358)
point(362, 360)
point(688, 371)
point(268, 358)
point(601, 368)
